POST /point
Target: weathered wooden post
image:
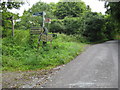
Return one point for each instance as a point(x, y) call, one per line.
point(44, 43)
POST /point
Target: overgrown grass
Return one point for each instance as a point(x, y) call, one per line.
point(21, 54)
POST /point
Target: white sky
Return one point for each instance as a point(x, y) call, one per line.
point(95, 5)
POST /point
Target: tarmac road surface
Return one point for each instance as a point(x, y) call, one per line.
point(97, 67)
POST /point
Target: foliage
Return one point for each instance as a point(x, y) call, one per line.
point(7, 19)
point(28, 20)
point(72, 25)
point(10, 5)
point(68, 25)
point(113, 8)
point(7, 15)
point(73, 9)
point(57, 26)
point(41, 6)
point(18, 55)
point(74, 19)
point(89, 27)
point(93, 26)
point(110, 29)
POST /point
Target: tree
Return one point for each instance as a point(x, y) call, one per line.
point(113, 8)
point(72, 25)
point(57, 26)
point(6, 15)
point(28, 20)
point(5, 6)
point(109, 28)
point(93, 26)
point(73, 9)
point(41, 6)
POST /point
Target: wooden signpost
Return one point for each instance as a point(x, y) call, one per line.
point(42, 32)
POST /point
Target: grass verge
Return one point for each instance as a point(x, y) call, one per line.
point(19, 54)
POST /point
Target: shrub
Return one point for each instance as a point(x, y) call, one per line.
point(57, 26)
point(72, 25)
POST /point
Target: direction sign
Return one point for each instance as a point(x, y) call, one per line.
point(47, 20)
point(47, 37)
point(39, 14)
point(36, 31)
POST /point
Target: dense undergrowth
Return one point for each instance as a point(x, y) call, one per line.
point(19, 53)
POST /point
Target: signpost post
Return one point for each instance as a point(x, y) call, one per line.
point(44, 19)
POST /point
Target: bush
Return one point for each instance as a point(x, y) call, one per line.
point(110, 29)
point(72, 25)
point(21, 37)
point(57, 26)
point(68, 25)
point(94, 28)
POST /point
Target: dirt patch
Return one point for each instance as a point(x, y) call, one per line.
point(27, 79)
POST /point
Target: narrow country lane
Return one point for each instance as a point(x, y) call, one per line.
point(97, 67)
